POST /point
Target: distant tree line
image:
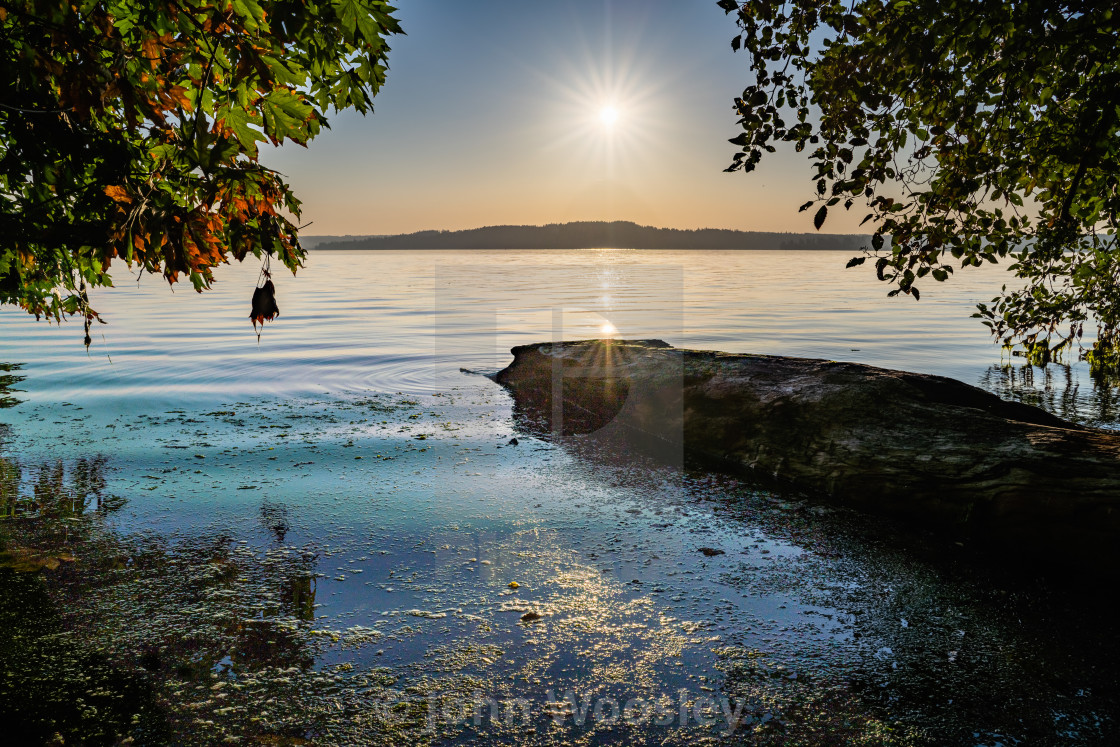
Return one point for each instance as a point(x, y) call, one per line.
point(600, 234)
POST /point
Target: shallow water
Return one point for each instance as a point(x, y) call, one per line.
point(314, 538)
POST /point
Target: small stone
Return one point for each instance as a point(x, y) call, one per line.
point(710, 551)
point(531, 616)
point(512, 442)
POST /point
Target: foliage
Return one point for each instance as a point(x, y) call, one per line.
point(973, 130)
point(130, 130)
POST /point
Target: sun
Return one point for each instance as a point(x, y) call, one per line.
point(608, 115)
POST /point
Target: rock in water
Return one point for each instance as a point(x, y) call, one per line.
point(926, 448)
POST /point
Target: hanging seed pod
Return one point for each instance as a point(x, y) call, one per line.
point(264, 306)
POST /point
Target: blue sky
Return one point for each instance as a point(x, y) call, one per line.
point(492, 113)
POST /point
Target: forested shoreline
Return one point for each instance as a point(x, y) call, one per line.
point(593, 235)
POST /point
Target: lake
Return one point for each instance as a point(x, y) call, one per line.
point(328, 536)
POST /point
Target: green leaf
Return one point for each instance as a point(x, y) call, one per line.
point(241, 122)
point(818, 219)
point(250, 13)
point(285, 116)
point(358, 21)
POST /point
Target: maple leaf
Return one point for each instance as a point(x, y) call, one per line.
point(118, 194)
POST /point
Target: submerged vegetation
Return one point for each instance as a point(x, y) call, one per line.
point(59, 687)
point(202, 640)
point(335, 601)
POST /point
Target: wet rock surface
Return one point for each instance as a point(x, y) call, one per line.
point(932, 450)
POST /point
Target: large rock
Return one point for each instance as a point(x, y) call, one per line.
point(927, 448)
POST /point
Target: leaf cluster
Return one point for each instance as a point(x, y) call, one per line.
point(131, 129)
point(970, 130)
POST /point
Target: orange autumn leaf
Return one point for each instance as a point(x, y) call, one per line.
point(179, 95)
point(118, 193)
point(151, 49)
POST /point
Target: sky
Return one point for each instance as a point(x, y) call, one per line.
point(533, 112)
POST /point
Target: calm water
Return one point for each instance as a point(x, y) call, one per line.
point(342, 492)
point(400, 321)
